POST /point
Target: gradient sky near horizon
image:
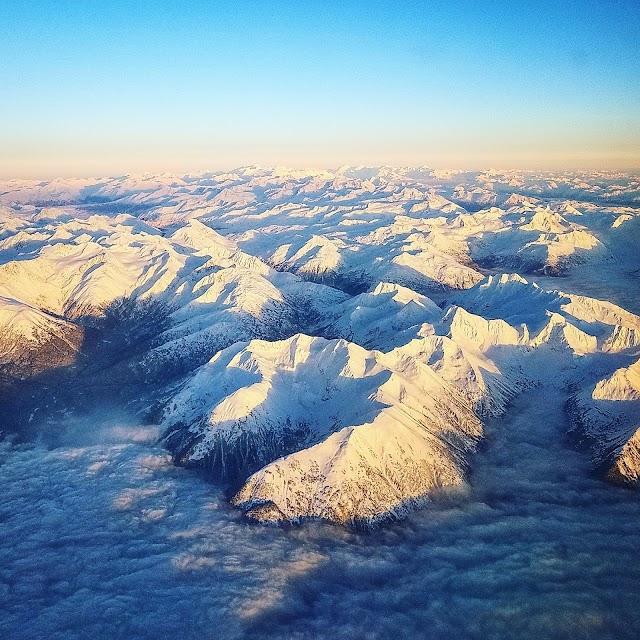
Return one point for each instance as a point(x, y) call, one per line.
point(96, 88)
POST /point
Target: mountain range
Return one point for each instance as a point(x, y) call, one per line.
point(325, 344)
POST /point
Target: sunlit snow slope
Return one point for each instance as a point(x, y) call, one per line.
point(326, 344)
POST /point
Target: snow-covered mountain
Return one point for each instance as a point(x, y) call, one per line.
point(330, 429)
point(32, 340)
point(327, 343)
point(607, 417)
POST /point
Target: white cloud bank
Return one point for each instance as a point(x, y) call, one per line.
point(112, 541)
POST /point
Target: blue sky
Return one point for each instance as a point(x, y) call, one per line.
point(109, 87)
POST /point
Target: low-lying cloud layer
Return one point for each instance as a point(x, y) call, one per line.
point(110, 540)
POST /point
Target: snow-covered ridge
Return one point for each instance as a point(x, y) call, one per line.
point(217, 294)
point(32, 340)
point(607, 417)
point(362, 433)
point(331, 340)
point(584, 324)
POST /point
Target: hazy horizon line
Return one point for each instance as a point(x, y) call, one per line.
point(112, 175)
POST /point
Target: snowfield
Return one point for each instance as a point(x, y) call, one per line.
point(325, 344)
